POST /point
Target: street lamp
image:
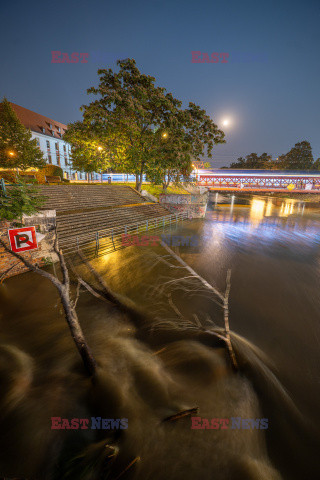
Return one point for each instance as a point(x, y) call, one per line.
point(100, 150)
point(164, 135)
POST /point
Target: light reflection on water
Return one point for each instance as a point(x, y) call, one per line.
point(262, 223)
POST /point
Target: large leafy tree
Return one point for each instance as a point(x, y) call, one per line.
point(17, 149)
point(254, 161)
point(298, 158)
point(131, 118)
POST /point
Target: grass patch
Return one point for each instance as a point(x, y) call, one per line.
point(155, 190)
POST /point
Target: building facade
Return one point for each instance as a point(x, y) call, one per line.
point(49, 136)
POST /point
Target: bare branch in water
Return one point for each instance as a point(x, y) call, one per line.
point(173, 306)
point(224, 297)
point(77, 295)
point(182, 414)
point(134, 461)
point(226, 322)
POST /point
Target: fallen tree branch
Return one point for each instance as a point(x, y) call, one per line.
point(224, 297)
point(69, 310)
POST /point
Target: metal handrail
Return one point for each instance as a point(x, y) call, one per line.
point(101, 239)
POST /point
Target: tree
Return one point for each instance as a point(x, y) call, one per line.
point(132, 116)
point(21, 200)
point(253, 161)
point(17, 149)
point(89, 153)
point(316, 165)
point(298, 158)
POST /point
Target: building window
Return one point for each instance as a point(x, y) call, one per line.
point(49, 158)
point(57, 153)
point(48, 145)
point(43, 130)
point(38, 141)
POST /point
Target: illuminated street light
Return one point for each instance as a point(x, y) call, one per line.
point(164, 135)
point(100, 150)
point(225, 123)
point(11, 153)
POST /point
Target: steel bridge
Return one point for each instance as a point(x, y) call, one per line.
point(260, 180)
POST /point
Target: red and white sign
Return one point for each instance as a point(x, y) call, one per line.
point(23, 239)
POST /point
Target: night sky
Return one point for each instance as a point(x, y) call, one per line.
point(269, 88)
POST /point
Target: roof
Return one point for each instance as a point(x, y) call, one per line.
point(37, 122)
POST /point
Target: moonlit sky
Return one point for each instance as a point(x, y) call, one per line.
point(271, 100)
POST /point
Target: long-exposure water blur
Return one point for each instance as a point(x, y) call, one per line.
point(148, 373)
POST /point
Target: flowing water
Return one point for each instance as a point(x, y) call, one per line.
point(151, 370)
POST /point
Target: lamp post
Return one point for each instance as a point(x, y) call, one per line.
point(100, 150)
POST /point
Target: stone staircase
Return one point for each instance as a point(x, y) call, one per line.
point(87, 209)
point(70, 198)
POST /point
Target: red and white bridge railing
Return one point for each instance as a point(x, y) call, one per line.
point(261, 182)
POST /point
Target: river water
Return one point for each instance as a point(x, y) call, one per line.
point(272, 247)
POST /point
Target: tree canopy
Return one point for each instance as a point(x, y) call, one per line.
point(253, 161)
point(141, 127)
point(300, 157)
point(17, 149)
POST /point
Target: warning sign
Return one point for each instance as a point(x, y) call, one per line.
point(23, 239)
point(291, 186)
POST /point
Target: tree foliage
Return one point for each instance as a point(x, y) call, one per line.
point(253, 161)
point(17, 149)
point(298, 158)
point(22, 199)
point(141, 127)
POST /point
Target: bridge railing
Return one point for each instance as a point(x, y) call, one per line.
point(275, 182)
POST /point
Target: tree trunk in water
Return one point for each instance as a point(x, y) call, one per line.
point(76, 331)
point(68, 306)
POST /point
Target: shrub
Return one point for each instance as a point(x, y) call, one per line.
point(9, 176)
point(48, 170)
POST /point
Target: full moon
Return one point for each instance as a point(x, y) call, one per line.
point(225, 123)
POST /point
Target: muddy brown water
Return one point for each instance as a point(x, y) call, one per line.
point(152, 371)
